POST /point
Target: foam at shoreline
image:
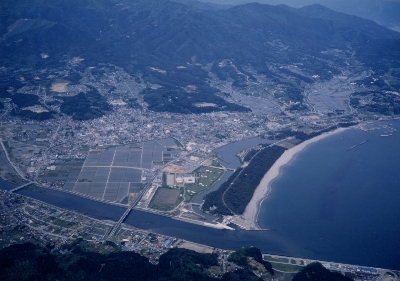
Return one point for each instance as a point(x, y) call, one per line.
point(262, 190)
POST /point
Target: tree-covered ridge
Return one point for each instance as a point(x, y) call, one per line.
point(32, 262)
point(213, 202)
point(181, 264)
point(237, 73)
point(316, 272)
point(241, 257)
point(237, 191)
point(176, 75)
point(177, 100)
point(25, 100)
point(382, 102)
point(85, 106)
point(251, 34)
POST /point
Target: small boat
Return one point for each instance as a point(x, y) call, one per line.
point(351, 148)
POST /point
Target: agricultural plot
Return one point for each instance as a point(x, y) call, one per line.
point(329, 100)
point(67, 171)
point(168, 143)
point(333, 95)
point(165, 199)
point(115, 174)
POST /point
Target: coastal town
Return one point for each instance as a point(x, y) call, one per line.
point(158, 162)
point(177, 140)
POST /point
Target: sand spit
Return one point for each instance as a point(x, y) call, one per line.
point(261, 193)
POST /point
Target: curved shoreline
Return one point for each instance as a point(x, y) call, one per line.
point(263, 189)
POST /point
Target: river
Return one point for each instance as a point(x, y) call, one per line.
point(329, 230)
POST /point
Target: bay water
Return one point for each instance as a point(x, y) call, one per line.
point(330, 203)
point(339, 199)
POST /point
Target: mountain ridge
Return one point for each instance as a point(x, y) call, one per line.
point(148, 26)
point(139, 35)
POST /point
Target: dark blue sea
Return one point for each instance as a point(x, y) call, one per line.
point(339, 204)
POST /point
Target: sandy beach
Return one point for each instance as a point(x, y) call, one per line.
point(261, 192)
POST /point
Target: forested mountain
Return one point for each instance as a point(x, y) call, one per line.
point(33, 262)
point(204, 5)
point(72, 262)
point(178, 46)
point(384, 12)
point(136, 33)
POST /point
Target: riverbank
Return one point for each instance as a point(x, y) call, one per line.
point(309, 233)
point(249, 218)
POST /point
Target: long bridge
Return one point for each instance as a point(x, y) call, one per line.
point(134, 202)
point(122, 218)
point(21, 186)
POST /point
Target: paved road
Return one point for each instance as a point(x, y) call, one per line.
point(11, 163)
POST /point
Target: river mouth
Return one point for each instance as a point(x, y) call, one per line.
point(368, 247)
point(341, 201)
